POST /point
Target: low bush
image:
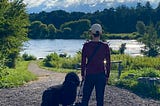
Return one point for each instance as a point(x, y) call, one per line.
point(52, 60)
point(55, 61)
point(129, 80)
point(27, 57)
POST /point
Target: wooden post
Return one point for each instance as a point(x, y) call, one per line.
point(119, 67)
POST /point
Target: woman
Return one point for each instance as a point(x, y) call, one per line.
point(95, 72)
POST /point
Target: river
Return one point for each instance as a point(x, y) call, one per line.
point(41, 48)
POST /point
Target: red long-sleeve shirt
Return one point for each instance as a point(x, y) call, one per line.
point(96, 65)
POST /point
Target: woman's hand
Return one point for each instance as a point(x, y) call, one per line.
point(107, 80)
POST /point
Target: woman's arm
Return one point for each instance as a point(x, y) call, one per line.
point(83, 62)
point(108, 64)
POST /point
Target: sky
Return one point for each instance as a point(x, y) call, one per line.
point(80, 5)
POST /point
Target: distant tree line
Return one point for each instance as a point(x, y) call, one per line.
point(68, 30)
point(62, 24)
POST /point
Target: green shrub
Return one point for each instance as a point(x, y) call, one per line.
point(114, 51)
point(52, 60)
point(27, 57)
point(55, 61)
point(150, 72)
point(67, 64)
point(131, 82)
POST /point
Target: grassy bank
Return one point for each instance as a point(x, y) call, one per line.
point(16, 77)
point(60, 69)
point(133, 35)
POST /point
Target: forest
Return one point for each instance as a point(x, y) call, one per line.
point(61, 24)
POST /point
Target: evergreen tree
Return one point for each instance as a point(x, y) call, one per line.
point(140, 26)
point(151, 41)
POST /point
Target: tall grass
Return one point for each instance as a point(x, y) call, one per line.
point(133, 35)
point(16, 77)
point(138, 62)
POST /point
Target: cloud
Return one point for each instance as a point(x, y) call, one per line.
point(80, 4)
point(33, 3)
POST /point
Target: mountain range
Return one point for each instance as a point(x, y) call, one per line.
point(34, 6)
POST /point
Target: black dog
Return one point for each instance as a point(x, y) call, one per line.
point(64, 94)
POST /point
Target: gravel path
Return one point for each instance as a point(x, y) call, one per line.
point(31, 93)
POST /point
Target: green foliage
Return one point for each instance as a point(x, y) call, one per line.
point(52, 60)
point(67, 64)
point(43, 31)
point(13, 28)
point(34, 30)
point(11, 59)
point(140, 26)
point(72, 62)
point(52, 31)
point(78, 27)
point(152, 41)
point(55, 61)
point(68, 30)
point(27, 57)
point(138, 62)
point(114, 52)
point(158, 28)
point(17, 76)
point(131, 82)
point(149, 72)
point(122, 36)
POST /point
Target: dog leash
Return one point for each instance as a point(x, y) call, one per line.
point(80, 94)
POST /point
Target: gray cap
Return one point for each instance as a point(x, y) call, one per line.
point(96, 27)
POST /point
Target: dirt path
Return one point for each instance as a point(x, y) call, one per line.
point(31, 93)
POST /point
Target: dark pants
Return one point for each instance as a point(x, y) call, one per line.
point(94, 80)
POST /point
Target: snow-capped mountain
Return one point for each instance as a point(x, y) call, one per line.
point(80, 5)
